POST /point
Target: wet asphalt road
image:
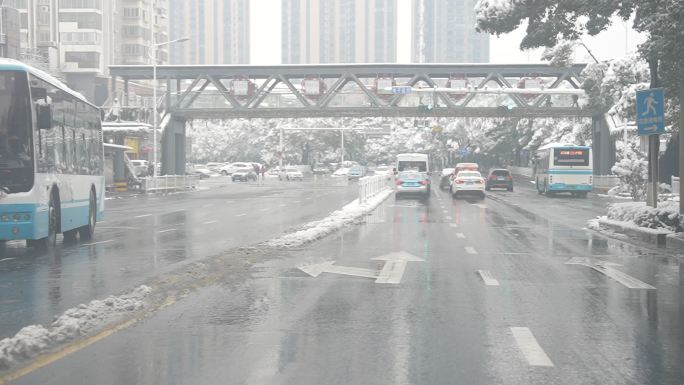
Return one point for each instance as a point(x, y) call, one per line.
point(546, 322)
point(142, 237)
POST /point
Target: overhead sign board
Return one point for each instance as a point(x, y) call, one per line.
point(650, 111)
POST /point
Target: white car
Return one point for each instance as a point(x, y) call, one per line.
point(292, 173)
point(341, 173)
point(468, 182)
point(384, 170)
point(229, 169)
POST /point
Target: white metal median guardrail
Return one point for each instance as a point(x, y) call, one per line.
point(170, 183)
point(371, 185)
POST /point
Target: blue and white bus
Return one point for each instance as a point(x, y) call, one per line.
point(51, 159)
point(564, 168)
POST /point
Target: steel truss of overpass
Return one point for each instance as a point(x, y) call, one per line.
point(365, 90)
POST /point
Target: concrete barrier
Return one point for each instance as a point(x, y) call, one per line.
point(675, 184)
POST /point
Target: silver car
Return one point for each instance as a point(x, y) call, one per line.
point(413, 183)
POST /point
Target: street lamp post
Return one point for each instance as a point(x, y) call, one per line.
point(154, 96)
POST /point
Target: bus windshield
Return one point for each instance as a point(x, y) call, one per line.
point(16, 153)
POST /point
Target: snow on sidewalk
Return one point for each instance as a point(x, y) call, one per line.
point(665, 217)
point(34, 340)
point(335, 221)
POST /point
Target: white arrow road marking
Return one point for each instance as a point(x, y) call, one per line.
point(395, 265)
point(470, 250)
point(528, 345)
point(392, 272)
point(606, 269)
point(488, 278)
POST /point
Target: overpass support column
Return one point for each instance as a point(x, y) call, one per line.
point(603, 145)
point(173, 147)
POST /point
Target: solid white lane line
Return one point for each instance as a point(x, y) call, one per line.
point(470, 250)
point(165, 231)
point(118, 227)
point(208, 222)
point(6, 259)
point(240, 215)
point(530, 348)
point(98, 243)
point(488, 278)
point(142, 216)
point(460, 235)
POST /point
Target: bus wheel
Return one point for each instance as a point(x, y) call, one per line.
point(86, 232)
point(50, 241)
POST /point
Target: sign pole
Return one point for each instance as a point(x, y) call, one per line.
point(650, 114)
point(681, 141)
point(653, 151)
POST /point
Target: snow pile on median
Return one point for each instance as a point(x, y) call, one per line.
point(347, 215)
point(34, 340)
point(665, 217)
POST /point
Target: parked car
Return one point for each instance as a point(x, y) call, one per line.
point(244, 174)
point(215, 166)
point(292, 173)
point(341, 173)
point(140, 166)
point(320, 170)
point(356, 172)
point(205, 173)
point(413, 183)
point(468, 183)
point(500, 178)
point(229, 169)
point(445, 179)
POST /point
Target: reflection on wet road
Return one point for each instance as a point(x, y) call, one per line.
point(143, 237)
point(493, 302)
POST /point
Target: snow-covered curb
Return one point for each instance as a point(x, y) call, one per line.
point(335, 221)
point(628, 230)
point(34, 340)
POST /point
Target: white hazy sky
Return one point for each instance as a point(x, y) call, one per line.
point(617, 41)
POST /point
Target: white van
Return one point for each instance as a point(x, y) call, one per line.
point(413, 162)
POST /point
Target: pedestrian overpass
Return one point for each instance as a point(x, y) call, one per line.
point(362, 90)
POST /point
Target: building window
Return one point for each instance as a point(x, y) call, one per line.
point(131, 13)
point(97, 4)
point(83, 59)
point(92, 38)
point(83, 20)
point(135, 50)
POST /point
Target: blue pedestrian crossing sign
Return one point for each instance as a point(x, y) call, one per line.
point(401, 90)
point(650, 111)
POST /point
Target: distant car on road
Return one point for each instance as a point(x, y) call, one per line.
point(384, 170)
point(292, 173)
point(245, 174)
point(356, 172)
point(465, 167)
point(445, 180)
point(468, 182)
point(413, 183)
point(501, 178)
point(341, 173)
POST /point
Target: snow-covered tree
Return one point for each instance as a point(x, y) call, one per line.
point(632, 169)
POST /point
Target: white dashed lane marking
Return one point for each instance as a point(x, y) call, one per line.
point(470, 250)
point(488, 278)
point(530, 348)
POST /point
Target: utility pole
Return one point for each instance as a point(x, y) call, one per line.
point(680, 138)
point(341, 147)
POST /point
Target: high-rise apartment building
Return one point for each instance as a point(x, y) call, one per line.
point(218, 31)
point(339, 31)
point(79, 39)
point(443, 31)
point(9, 29)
